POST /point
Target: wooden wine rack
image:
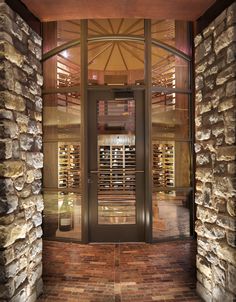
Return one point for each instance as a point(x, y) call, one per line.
point(163, 165)
point(69, 165)
point(116, 168)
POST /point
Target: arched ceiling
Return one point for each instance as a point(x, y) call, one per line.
point(48, 10)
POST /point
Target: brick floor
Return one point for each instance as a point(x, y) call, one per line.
point(163, 272)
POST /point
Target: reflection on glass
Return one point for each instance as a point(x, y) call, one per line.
point(62, 116)
point(169, 70)
point(116, 161)
point(170, 115)
point(171, 214)
point(172, 32)
point(62, 183)
point(62, 214)
point(63, 69)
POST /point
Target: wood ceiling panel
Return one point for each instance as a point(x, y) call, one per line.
point(48, 10)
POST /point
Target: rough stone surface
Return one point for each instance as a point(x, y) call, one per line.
point(21, 202)
point(215, 148)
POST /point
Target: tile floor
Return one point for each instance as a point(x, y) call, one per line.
point(119, 272)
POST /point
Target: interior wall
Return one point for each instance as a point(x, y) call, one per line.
point(21, 159)
point(215, 148)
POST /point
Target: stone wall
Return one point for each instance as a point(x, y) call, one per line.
point(21, 160)
point(215, 53)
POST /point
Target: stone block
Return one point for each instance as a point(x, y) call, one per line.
point(231, 89)
point(220, 294)
point(26, 142)
point(34, 159)
point(219, 276)
point(8, 204)
point(226, 153)
point(231, 238)
point(203, 135)
point(204, 293)
point(231, 206)
point(199, 82)
point(37, 219)
point(204, 174)
point(224, 39)
point(225, 75)
point(12, 168)
point(226, 222)
point(11, 233)
point(8, 129)
point(22, 25)
point(206, 215)
point(203, 159)
point(226, 252)
point(197, 40)
point(7, 290)
point(7, 219)
point(36, 249)
point(11, 101)
point(20, 278)
point(5, 149)
point(209, 231)
point(231, 54)
point(232, 278)
point(20, 296)
point(231, 14)
point(19, 183)
point(7, 256)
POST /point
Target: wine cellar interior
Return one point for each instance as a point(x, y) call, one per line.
point(117, 64)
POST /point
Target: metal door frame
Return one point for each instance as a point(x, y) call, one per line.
point(119, 232)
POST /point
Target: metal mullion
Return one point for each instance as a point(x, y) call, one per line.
point(148, 148)
point(84, 132)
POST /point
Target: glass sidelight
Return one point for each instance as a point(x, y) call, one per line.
point(115, 175)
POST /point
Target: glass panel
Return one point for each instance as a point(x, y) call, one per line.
point(173, 33)
point(170, 164)
point(103, 27)
point(62, 117)
point(62, 183)
point(116, 161)
point(169, 70)
point(63, 70)
point(171, 218)
point(60, 32)
point(170, 116)
point(62, 214)
point(116, 62)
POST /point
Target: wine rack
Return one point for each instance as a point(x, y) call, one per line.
point(68, 165)
point(116, 167)
point(163, 165)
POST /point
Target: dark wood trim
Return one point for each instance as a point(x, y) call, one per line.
point(216, 9)
point(22, 10)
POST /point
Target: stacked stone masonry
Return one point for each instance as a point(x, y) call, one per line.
point(215, 81)
point(21, 159)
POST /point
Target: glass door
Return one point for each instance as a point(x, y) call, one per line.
point(116, 166)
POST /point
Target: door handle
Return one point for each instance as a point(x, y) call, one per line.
point(94, 172)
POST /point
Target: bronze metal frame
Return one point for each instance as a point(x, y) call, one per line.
point(147, 87)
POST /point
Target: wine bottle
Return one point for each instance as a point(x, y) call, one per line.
point(65, 217)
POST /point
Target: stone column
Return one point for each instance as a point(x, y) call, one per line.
point(21, 159)
point(215, 53)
